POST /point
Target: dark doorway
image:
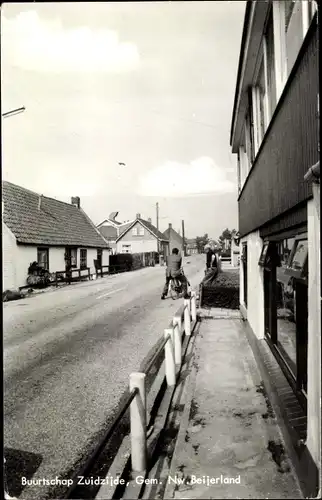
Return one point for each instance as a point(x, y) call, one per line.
point(244, 260)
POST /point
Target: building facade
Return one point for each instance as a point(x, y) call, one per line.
point(142, 237)
point(56, 235)
point(275, 135)
point(111, 229)
point(174, 238)
point(191, 246)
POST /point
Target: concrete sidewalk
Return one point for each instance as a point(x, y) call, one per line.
point(229, 444)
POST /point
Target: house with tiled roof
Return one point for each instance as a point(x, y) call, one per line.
point(53, 233)
point(141, 236)
point(174, 238)
point(111, 229)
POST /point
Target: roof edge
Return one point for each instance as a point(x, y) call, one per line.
point(240, 65)
point(141, 221)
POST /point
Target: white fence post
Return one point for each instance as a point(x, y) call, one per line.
point(170, 367)
point(187, 324)
point(138, 423)
point(177, 340)
point(193, 306)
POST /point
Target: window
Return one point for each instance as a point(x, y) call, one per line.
point(249, 144)
point(251, 125)
point(269, 51)
point(262, 258)
point(43, 258)
point(289, 6)
point(126, 248)
point(269, 256)
point(261, 103)
point(73, 256)
point(134, 231)
point(83, 258)
point(284, 250)
point(238, 172)
point(244, 167)
point(141, 231)
point(293, 33)
point(312, 8)
point(286, 308)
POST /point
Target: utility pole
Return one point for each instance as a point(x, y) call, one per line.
point(183, 240)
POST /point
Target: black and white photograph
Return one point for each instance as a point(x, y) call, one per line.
point(161, 250)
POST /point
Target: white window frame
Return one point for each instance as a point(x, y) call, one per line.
point(256, 95)
point(141, 231)
point(270, 111)
point(238, 173)
point(82, 258)
point(280, 55)
point(126, 248)
point(134, 231)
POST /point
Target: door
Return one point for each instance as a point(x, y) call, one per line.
point(70, 259)
point(301, 318)
point(245, 272)
point(99, 257)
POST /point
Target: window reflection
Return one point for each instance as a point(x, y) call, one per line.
point(286, 322)
point(300, 254)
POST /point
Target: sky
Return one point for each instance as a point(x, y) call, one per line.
point(146, 84)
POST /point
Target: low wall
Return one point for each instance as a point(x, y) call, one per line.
point(220, 290)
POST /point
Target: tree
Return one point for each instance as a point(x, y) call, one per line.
point(201, 241)
point(226, 235)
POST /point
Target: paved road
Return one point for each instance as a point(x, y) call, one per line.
point(67, 357)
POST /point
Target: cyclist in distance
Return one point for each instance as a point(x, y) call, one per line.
point(174, 270)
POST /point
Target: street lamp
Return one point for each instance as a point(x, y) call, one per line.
point(13, 112)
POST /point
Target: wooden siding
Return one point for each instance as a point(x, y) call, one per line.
point(276, 182)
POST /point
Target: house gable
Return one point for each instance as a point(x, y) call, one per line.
point(137, 232)
point(148, 228)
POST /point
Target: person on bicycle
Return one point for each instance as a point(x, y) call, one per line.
point(174, 263)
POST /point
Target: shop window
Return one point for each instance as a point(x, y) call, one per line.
point(286, 307)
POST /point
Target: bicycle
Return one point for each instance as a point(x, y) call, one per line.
point(176, 288)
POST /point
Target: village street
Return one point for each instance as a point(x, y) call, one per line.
point(67, 357)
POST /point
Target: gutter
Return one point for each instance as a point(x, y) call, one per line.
point(313, 174)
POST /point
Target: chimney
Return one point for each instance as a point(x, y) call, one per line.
point(39, 201)
point(170, 226)
point(150, 220)
point(138, 216)
point(76, 201)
